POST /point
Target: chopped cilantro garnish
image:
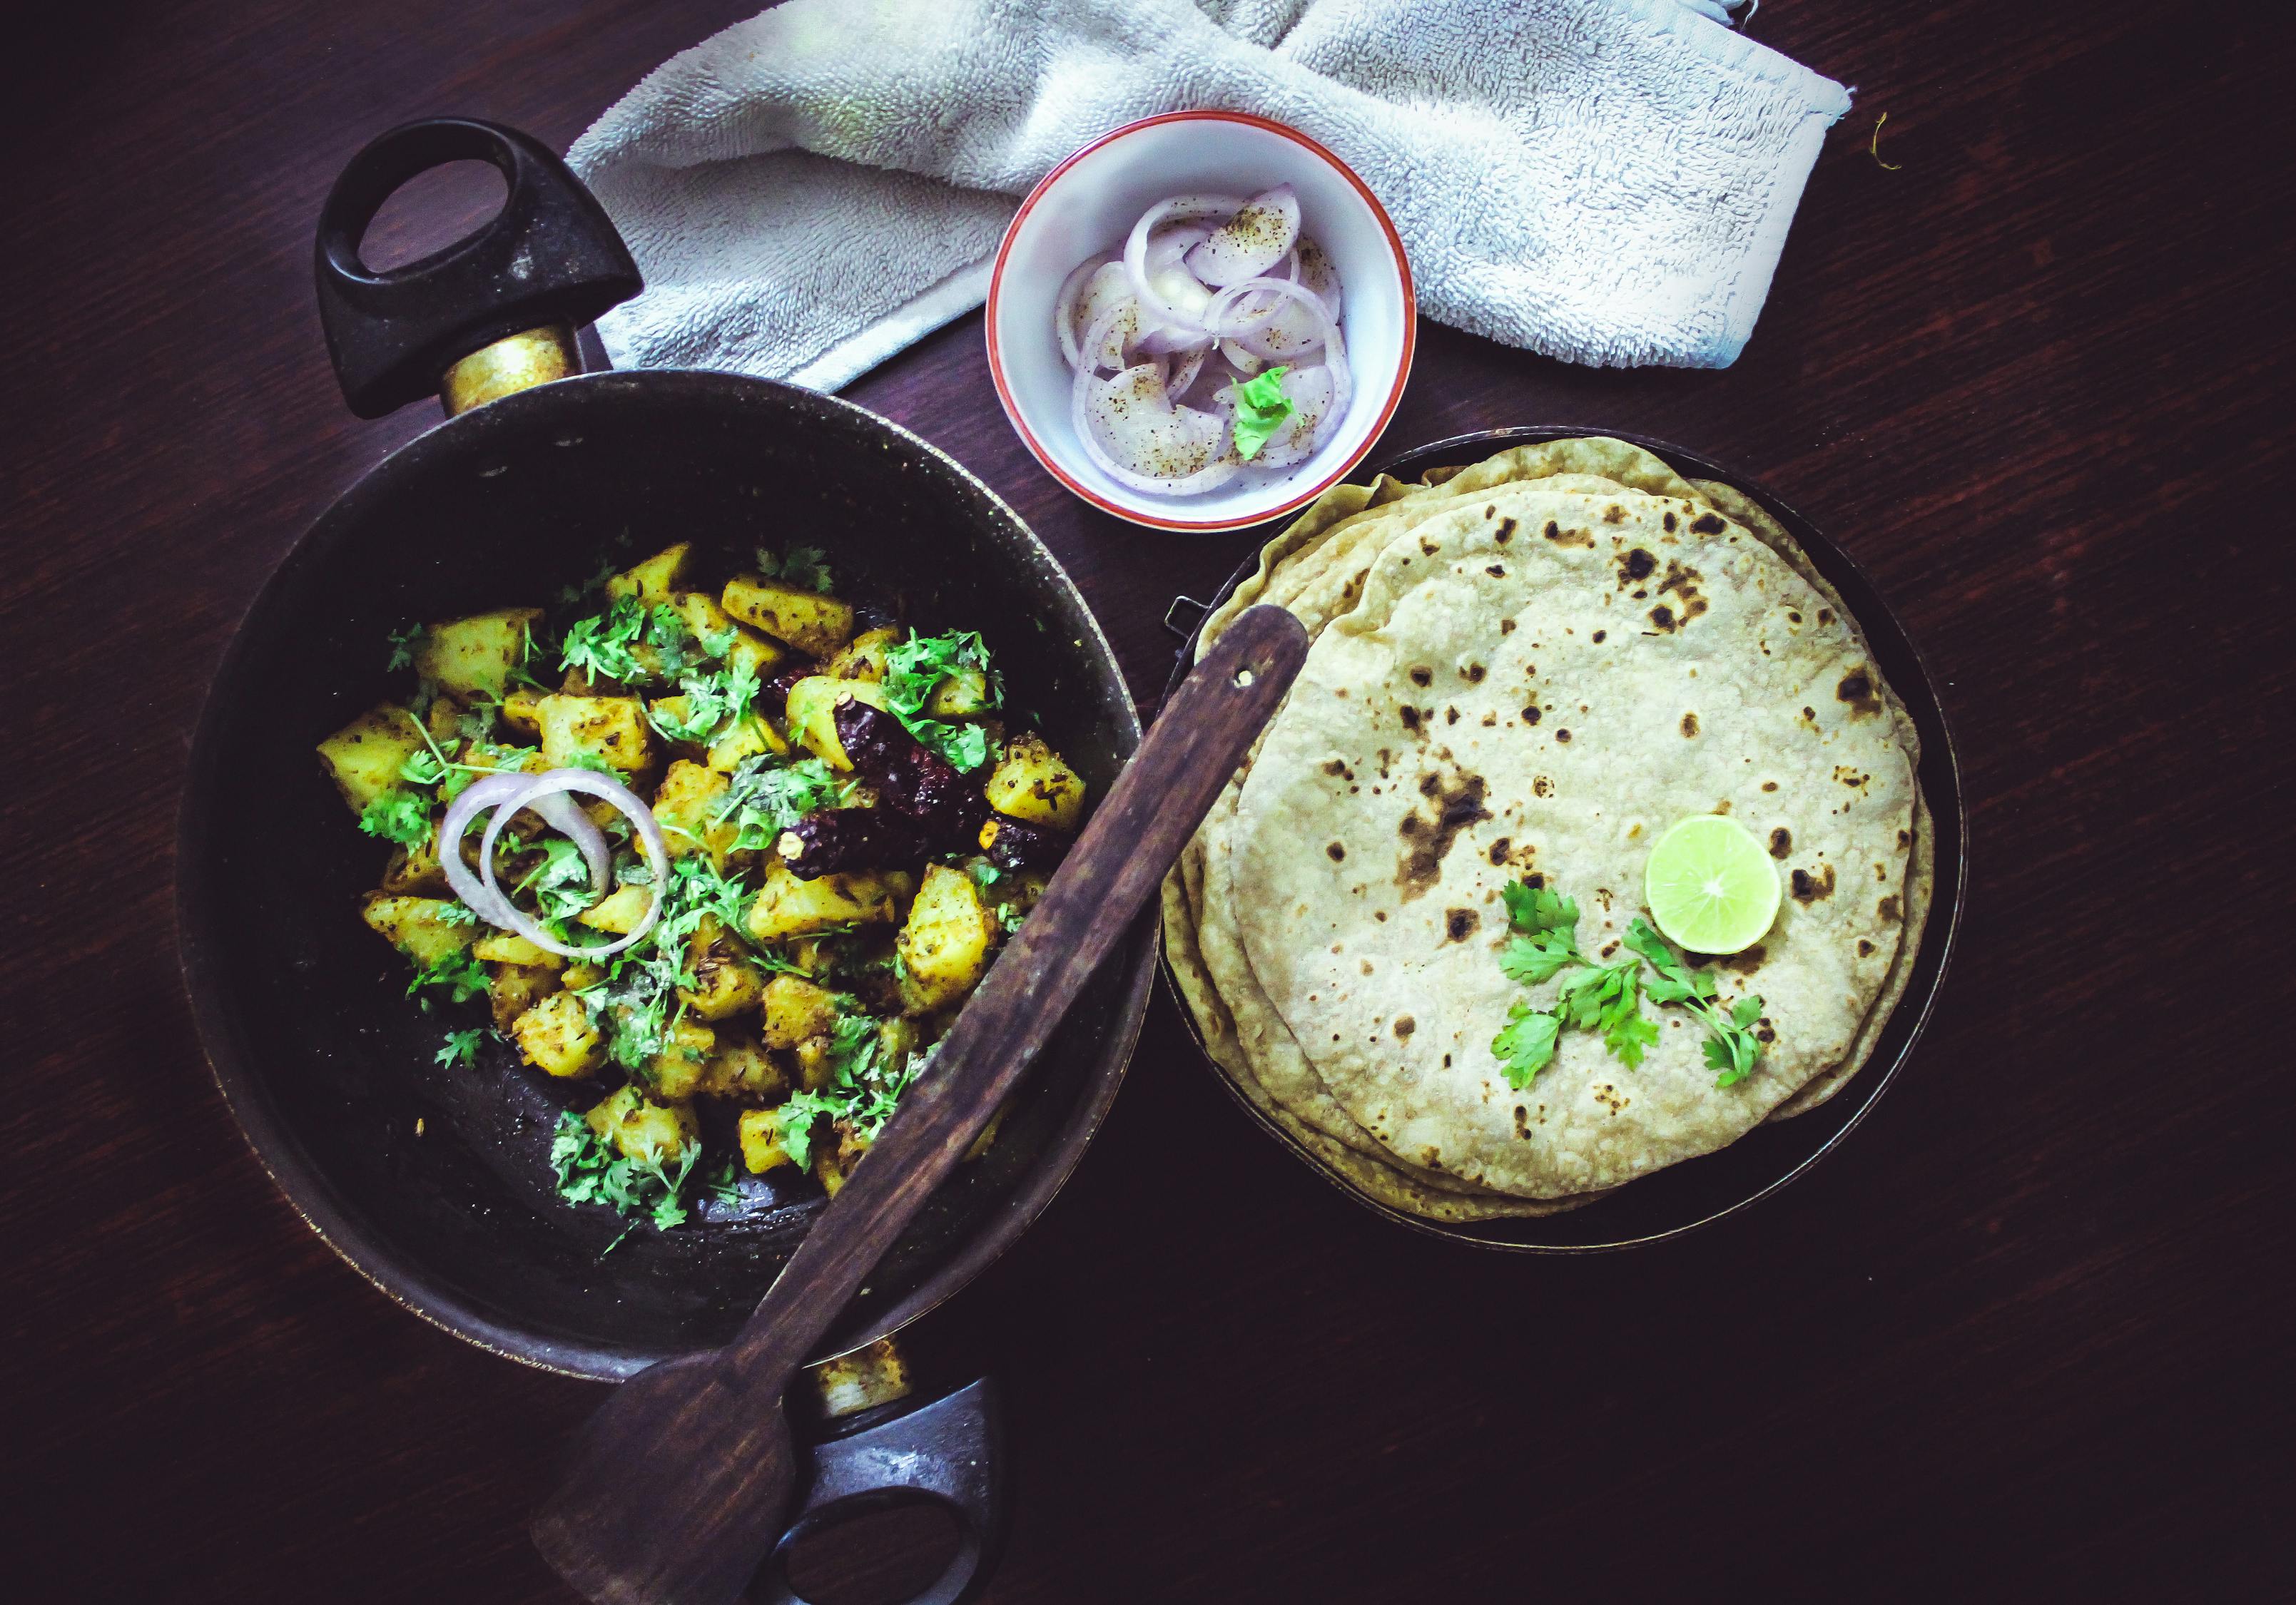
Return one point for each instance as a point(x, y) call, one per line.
point(1731, 1048)
point(1605, 999)
point(918, 667)
point(462, 1047)
point(799, 566)
point(863, 1090)
point(401, 647)
point(1261, 408)
point(600, 645)
point(589, 1172)
point(457, 974)
point(397, 816)
point(766, 795)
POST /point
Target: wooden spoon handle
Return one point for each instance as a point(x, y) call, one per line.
point(1202, 733)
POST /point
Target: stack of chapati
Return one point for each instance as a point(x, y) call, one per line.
point(1528, 670)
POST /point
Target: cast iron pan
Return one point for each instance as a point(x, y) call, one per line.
point(327, 1065)
point(1698, 1192)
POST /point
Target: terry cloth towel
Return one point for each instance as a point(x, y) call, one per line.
point(1603, 181)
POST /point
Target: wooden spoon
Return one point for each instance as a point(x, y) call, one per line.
point(677, 1486)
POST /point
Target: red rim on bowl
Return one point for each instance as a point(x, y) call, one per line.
point(1410, 319)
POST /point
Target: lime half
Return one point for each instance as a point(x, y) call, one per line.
point(1710, 885)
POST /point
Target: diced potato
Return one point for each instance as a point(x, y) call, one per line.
point(795, 1009)
point(760, 1131)
point(512, 989)
point(726, 983)
point(744, 739)
point(705, 620)
point(1032, 783)
point(613, 729)
point(521, 709)
point(509, 947)
point(863, 658)
point(557, 1036)
point(814, 623)
point(581, 977)
point(415, 871)
point(787, 907)
point(945, 945)
point(653, 580)
point(417, 926)
point(679, 1070)
point(743, 1071)
point(618, 912)
point(815, 1070)
point(834, 1161)
point(962, 695)
point(473, 657)
point(641, 1129)
point(902, 1038)
point(365, 755)
point(812, 715)
point(687, 808)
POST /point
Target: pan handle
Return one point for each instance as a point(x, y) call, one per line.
point(489, 313)
point(951, 1451)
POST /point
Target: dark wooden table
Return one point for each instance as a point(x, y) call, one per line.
point(2023, 1337)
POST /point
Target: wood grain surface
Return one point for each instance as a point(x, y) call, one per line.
point(2023, 1337)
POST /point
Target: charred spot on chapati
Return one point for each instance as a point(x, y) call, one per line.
point(1456, 806)
point(1856, 688)
point(1809, 888)
point(1635, 567)
point(1781, 839)
point(1460, 923)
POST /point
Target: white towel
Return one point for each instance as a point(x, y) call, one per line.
point(1603, 181)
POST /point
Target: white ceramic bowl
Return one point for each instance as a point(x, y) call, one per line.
point(1090, 203)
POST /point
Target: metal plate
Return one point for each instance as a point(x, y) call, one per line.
point(1698, 1192)
point(327, 1065)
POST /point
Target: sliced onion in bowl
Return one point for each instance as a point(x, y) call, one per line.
point(1252, 241)
point(1274, 340)
point(1065, 322)
point(1186, 209)
point(1138, 419)
point(1315, 269)
point(1191, 363)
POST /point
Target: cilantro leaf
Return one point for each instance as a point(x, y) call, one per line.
point(768, 794)
point(600, 645)
point(1538, 958)
point(403, 643)
point(1526, 1046)
point(1627, 1036)
point(398, 815)
point(457, 974)
point(1261, 408)
point(589, 1172)
point(917, 667)
point(799, 566)
point(1536, 908)
point(462, 1047)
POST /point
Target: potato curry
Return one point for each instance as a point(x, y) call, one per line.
point(751, 845)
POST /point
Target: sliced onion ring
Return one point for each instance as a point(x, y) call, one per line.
point(1187, 208)
point(1252, 242)
point(1224, 466)
point(1217, 317)
point(547, 795)
point(1064, 309)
